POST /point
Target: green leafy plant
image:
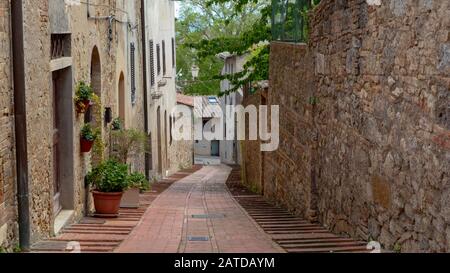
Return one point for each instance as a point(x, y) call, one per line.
point(128, 142)
point(87, 133)
point(251, 39)
point(138, 180)
point(397, 248)
point(117, 124)
point(84, 95)
point(109, 176)
point(84, 91)
point(17, 249)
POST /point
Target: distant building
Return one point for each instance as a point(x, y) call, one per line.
point(229, 149)
point(207, 152)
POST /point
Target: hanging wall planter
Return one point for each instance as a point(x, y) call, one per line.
point(83, 97)
point(87, 139)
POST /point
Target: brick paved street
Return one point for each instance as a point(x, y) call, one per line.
point(198, 214)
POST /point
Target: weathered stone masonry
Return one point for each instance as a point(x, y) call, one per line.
point(365, 125)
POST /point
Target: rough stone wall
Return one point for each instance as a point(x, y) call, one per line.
point(8, 214)
point(288, 170)
point(380, 117)
point(252, 157)
point(180, 154)
point(39, 116)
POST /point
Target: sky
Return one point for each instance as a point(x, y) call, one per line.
point(177, 8)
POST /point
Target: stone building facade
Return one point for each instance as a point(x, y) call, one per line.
point(65, 42)
point(364, 122)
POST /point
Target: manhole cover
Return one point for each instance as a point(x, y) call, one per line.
point(208, 216)
point(198, 238)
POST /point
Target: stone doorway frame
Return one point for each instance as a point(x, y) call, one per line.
point(65, 112)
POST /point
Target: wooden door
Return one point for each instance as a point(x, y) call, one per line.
point(56, 159)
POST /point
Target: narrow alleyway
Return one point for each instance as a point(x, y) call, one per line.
point(198, 214)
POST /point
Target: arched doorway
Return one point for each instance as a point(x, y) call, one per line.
point(159, 131)
point(94, 114)
point(121, 98)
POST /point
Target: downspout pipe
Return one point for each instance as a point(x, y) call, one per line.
point(144, 72)
point(20, 124)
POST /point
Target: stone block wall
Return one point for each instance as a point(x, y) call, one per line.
point(180, 155)
point(39, 116)
point(252, 157)
point(8, 209)
point(364, 122)
point(288, 170)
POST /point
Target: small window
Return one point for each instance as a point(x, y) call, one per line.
point(212, 100)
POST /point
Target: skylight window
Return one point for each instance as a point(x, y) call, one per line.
point(213, 100)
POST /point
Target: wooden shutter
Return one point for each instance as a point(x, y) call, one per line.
point(158, 59)
point(133, 73)
point(164, 56)
point(152, 63)
point(173, 52)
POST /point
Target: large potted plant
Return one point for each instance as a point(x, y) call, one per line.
point(109, 180)
point(126, 144)
point(87, 138)
point(137, 184)
point(83, 97)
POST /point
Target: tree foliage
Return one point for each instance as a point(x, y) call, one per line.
point(205, 29)
point(241, 26)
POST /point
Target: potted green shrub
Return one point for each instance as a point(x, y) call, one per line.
point(137, 183)
point(117, 124)
point(87, 138)
point(128, 143)
point(83, 97)
point(109, 180)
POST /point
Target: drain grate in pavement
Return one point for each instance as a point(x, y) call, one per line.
point(198, 238)
point(208, 216)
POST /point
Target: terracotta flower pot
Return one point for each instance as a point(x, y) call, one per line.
point(86, 145)
point(107, 203)
point(83, 106)
point(87, 104)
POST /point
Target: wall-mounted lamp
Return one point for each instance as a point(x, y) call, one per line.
point(108, 115)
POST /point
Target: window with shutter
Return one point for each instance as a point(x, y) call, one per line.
point(158, 59)
point(164, 56)
point(173, 52)
point(133, 73)
point(152, 63)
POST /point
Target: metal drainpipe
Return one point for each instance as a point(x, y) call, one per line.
point(144, 72)
point(20, 124)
